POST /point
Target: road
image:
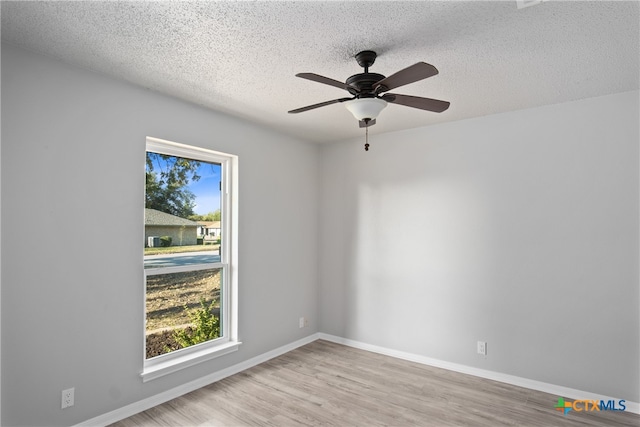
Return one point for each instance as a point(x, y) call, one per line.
point(174, 260)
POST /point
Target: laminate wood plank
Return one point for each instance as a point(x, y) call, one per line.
point(327, 384)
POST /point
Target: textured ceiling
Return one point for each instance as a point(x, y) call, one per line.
point(241, 57)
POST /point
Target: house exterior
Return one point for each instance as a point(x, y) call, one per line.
point(182, 231)
point(209, 228)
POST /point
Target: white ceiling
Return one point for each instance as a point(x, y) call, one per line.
point(241, 57)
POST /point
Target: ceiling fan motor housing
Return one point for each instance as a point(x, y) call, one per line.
point(362, 84)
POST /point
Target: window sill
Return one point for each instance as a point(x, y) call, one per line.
point(162, 368)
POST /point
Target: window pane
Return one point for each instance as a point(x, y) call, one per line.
point(182, 229)
point(183, 224)
point(183, 309)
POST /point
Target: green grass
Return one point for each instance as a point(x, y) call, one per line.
point(180, 249)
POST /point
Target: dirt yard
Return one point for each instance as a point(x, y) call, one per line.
point(167, 296)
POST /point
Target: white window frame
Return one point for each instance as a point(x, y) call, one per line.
point(179, 359)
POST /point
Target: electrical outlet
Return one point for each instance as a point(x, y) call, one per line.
point(301, 322)
point(67, 397)
point(482, 348)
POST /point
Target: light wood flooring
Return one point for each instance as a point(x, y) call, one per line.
point(327, 384)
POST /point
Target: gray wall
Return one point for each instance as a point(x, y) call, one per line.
point(519, 229)
point(73, 153)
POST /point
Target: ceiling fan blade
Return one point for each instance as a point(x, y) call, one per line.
point(428, 104)
point(363, 124)
point(411, 74)
point(322, 104)
point(321, 79)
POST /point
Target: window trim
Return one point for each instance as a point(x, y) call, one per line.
point(165, 364)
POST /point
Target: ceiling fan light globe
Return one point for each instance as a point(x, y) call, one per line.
point(365, 108)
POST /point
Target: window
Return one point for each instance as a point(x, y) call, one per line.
point(190, 256)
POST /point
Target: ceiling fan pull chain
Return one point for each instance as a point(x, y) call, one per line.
point(366, 138)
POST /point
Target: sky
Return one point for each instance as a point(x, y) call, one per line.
point(206, 189)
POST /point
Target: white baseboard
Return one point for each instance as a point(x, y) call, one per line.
point(557, 390)
point(150, 402)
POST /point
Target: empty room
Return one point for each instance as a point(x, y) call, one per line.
point(345, 213)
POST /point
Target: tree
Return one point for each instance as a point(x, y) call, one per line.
point(167, 178)
point(211, 216)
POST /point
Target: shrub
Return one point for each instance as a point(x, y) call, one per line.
point(206, 326)
point(165, 241)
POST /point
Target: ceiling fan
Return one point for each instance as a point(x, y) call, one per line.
point(367, 88)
